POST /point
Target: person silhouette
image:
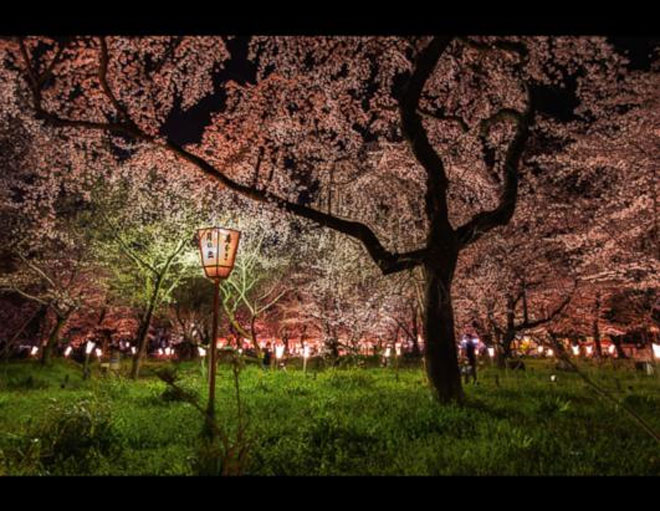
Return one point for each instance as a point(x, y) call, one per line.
point(267, 356)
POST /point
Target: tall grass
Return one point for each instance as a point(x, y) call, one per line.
point(330, 422)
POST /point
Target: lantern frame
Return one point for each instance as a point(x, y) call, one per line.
point(218, 270)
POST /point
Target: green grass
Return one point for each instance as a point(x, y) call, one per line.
point(329, 422)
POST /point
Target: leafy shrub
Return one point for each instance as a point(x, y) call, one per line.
point(74, 438)
point(549, 407)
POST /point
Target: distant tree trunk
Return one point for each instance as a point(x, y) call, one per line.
point(36, 328)
point(253, 334)
point(416, 351)
point(143, 331)
point(596, 330)
point(54, 337)
point(509, 334)
point(556, 342)
point(616, 339)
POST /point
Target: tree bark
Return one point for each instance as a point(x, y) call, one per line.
point(616, 339)
point(415, 331)
point(253, 334)
point(53, 338)
point(143, 332)
point(599, 349)
point(440, 356)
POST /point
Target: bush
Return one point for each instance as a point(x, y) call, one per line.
point(74, 438)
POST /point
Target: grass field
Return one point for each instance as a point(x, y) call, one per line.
point(330, 422)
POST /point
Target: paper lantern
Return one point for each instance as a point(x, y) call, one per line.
point(217, 248)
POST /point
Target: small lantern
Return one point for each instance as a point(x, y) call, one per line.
point(388, 352)
point(217, 247)
point(491, 352)
point(279, 351)
point(611, 349)
point(656, 351)
point(34, 351)
point(306, 351)
point(201, 351)
point(89, 347)
point(67, 351)
point(99, 353)
point(576, 350)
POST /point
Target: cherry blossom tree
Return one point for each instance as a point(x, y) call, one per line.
point(450, 117)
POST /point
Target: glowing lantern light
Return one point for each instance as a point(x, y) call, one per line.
point(553, 378)
point(201, 351)
point(305, 357)
point(540, 349)
point(133, 350)
point(388, 352)
point(279, 351)
point(89, 347)
point(98, 352)
point(218, 246)
point(491, 352)
point(240, 351)
point(656, 351)
point(67, 351)
point(576, 350)
point(590, 349)
point(611, 349)
point(34, 350)
point(160, 351)
point(549, 353)
point(397, 347)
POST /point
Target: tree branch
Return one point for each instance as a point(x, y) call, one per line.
point(387, 261)
point(457, 119)
point(411, 122)
point(487, 220)
point(533, 324)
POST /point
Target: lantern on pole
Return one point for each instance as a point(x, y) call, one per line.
point(279, 353)
point(305, 357)
point(656, 350)
point(89, 347)
point(217, 249)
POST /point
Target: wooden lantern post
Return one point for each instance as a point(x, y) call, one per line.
point(217, 248)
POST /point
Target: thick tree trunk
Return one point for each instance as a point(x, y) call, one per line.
point(53, 338)
point(440, 356)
